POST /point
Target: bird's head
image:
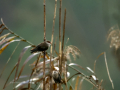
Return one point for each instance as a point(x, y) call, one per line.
point(55, 74)
point(49, 43)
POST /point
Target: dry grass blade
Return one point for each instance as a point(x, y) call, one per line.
point(7, 40)
point(46, 62)
point(85, 77)
point(5, 46)
point(96, 60)
point(2, 39)
point(34, 69)
point(77, 80)
point(9, 58)
point(22, 86)
point(19, 59)
point(26, 82)
point(74, 64)
point(100, 83)
point(73, 76)
point(81, 81)
point(9, 76)
point(5, 35)
point(16, 34)
point(41, 84)
point(108, 70)
point(2, 30)
point(22, 76)
point(89, 69)
point(31, 56)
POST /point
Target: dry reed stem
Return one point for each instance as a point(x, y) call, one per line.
point(77, 80)
point(44, 41)
point(63, 37)
point(44, 72)
point(44, 21)
point(52, 37)
point(65, 74)
point(108, 70)
point(60, 42)
point(60, 37)
point(60, 67)
point(9, 59)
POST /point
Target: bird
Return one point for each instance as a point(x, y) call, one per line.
point(41, 47)
point(56, 76)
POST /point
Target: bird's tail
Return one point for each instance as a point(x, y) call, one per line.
point(33, 50)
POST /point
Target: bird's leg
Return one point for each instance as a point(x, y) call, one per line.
point(47, 55)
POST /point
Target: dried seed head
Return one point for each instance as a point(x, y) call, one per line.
point(114, 37)
point(73, 50)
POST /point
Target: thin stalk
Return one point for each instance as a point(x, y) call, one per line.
point(44, 72)
point(44, 21)
point(51, 51)
point(9, 77)
point(97, 59)
point(108, 71)
point(60, 67)
point(44, 41)
point(63, 60)
point(76, 84)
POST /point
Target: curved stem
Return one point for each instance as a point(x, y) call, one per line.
point(22, 39)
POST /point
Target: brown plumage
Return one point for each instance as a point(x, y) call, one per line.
point(41, 47)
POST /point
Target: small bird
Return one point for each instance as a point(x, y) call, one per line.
point(41, 47)
point(56, 76)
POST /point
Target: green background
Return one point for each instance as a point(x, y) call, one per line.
point(87, 26)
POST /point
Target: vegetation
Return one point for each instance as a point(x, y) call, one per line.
point(41, 77)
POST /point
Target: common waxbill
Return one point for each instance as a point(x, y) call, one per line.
point(41, 47)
